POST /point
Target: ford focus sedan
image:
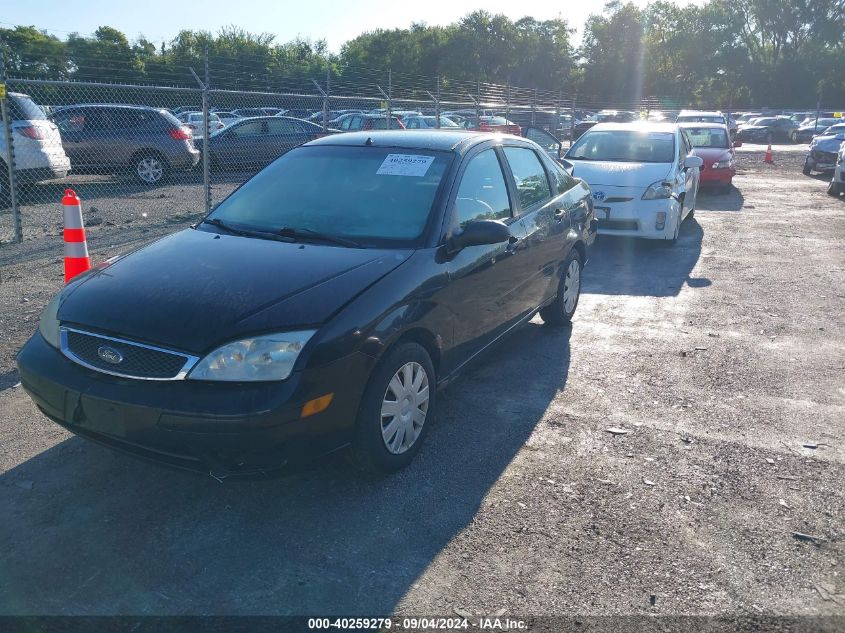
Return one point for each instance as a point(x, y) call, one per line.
point(644, 177)
point(319, 307)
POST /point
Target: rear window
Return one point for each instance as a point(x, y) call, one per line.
point(708, 137)
point(624, 146)
point(24, 109)
point(375, 196)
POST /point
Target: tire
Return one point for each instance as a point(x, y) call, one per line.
point(562, 309)
point(834, 188)
point(806, 169)
point(375, 448)
point(149, 168)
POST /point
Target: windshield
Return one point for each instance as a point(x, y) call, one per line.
point(374, 196)
point(708, 137)
point(834, 129)
point(624, 146)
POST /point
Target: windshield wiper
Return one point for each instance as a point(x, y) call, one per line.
point(311, 234)
point(264, 235)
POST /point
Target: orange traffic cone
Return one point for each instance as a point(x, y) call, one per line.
point(768, 157)
point(76, 248)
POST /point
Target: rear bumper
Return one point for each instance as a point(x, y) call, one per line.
point(222, 428)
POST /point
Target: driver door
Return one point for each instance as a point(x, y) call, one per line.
point(484, 281)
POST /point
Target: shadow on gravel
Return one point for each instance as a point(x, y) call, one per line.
point(713, 200)
point(88, 531)
point(652, 268)
point(9, 379)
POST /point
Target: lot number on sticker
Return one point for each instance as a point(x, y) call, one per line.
point(405, 165)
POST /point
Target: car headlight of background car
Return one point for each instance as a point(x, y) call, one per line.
point(658, 191)
point(723, 164)
point(268, 357)
point(48, 325)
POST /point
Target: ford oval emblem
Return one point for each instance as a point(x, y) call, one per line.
point(109, 354)
point(598, 196)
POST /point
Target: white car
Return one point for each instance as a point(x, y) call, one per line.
point(39, 154)
point(644, 177)
point(193, 120)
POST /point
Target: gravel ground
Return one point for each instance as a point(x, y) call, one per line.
point(722, 357)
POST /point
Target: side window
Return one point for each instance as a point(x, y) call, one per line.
point(98, 120)
point(561, 181)
point(282, 126)
point(482, 194)
point(356, 123)
point(73, 121)
point(532, 184)
point(251, 128)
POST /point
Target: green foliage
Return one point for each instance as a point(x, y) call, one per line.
point(721, 53)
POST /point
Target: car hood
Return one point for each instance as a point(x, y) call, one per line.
point(619, 174)
point(195, 290)
point(826, 144)
point(713, 154)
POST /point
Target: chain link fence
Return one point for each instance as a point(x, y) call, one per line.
point(168, 154)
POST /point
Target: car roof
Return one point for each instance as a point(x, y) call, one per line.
point(124, 106)
point(701, 113)
point(693, 124)
point(636, 126)
point(439, 140)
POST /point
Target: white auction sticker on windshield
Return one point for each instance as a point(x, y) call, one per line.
point(405, 165)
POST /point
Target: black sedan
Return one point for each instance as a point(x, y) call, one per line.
point(769, 130)
point(320, 306)
point(258, 141)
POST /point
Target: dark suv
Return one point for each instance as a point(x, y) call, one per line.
point(148, 141)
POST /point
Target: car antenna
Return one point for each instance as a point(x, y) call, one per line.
point(369, 141)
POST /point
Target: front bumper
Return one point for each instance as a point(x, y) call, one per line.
point(635, 217)
point(222, 428)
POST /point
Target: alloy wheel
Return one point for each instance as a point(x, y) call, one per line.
point(404, 407)
point(150, 169)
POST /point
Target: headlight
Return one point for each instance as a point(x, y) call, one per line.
point(269, 357)
point(49, 323)
point(658, 191)
point(723, 164)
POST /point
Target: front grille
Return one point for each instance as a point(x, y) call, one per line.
point(136, 360)
point(824, 157)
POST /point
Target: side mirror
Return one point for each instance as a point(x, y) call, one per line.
point(479, 232)
point(693, 162)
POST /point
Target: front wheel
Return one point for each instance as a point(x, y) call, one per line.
point(807, 170)
point(562, 309)
point(395, 410)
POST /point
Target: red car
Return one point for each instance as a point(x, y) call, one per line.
point(712, 142)
point(492, 124)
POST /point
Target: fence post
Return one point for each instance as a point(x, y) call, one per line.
point(572, 124)
point(508, 102)
point(478, 101)
point(326, 97)
point(10, 149)
point(557, 113)
point(534, 109)
point(437, 104)
point(206, 169)
point(389, 97)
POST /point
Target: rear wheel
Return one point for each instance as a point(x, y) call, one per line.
point(149, 168)
point(562, 309)
point(395, 410)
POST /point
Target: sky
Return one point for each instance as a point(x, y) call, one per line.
point(335, 21)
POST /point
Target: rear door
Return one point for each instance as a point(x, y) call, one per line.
point(283, 135)
point(544, 221)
